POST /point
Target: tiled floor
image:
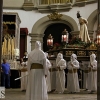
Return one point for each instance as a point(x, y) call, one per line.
point(16, 94)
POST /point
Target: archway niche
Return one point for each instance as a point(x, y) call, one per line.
point(55, 30)
point(42, 24)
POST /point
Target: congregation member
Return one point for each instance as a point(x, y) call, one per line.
point(72, 76)
point(24, 72)
point(5, 74)
point(38, 70)
point(60, 74)
point(92, 76)
point(48, 76)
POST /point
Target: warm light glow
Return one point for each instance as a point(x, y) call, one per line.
point(98, 38)
point(50, 42)
point(65, 38)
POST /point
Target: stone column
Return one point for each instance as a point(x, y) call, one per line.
point(1, 10)
point(36, 37)
point(28, 5)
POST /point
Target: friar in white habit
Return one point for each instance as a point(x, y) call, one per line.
point(92, 76)
point(37, 69)
point(72, 76)
point(24, 72)
point(84, 67)
point(60, 74)
point(48, 76)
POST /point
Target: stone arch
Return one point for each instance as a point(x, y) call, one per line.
point(42, 23)
point(92, 19)
point(40, 26)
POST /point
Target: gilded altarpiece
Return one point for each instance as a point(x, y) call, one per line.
point(11, 37)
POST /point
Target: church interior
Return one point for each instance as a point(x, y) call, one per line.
point(55, 23)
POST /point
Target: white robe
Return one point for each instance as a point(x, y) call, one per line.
point(53, 76)
point(85, 74)
point(92, 77)
point(60, 76)
point(83, 30)
point(37, 88)
point(24, 80)
point(72, 78)
point(48, 76)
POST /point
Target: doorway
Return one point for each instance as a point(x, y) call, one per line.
point(55, 30)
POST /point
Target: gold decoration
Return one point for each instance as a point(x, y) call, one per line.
point(81, 53)
point(55, 16)
point(92, 52)
point(69, 53)
point(92, 47)
point(81, 0)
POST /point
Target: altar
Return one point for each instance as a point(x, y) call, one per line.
point(11, 45)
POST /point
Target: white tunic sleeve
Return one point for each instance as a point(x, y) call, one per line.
point(94, 65)
point(45, 66)
point(63, 65)
point(48, 64)
point(76, 64)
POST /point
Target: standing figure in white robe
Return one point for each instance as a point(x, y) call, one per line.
point(37, 69)
point(84, 67)
point(24, 72)
point(60, 74)
point(53, 71)
point(72, 76)
point(83, 29)
point(92, 76)
point(48, 76)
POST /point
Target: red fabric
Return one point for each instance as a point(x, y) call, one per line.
point(24, 31)
point(22, 45)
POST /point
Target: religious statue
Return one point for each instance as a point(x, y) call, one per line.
point(83, 29)
point(5, 33)
point(8, 44)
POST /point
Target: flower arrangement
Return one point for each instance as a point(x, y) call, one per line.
point(76, 40)
point(57, 46)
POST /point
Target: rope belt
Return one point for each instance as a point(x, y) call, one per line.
point(94, 70)
point(90, 69)
point(72, 71)
point(23, 69)
point(36, 66)
point(85, 71)
point(54, 69)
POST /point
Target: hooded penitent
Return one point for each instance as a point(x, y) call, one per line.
point(92, 58)
point(59, 57)
point(37, 52)
point(73, 57)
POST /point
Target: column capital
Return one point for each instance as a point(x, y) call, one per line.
point(28, 5)
point(36, 37)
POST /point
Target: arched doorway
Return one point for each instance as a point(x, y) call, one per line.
point(55, 30)
point(42, 24)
